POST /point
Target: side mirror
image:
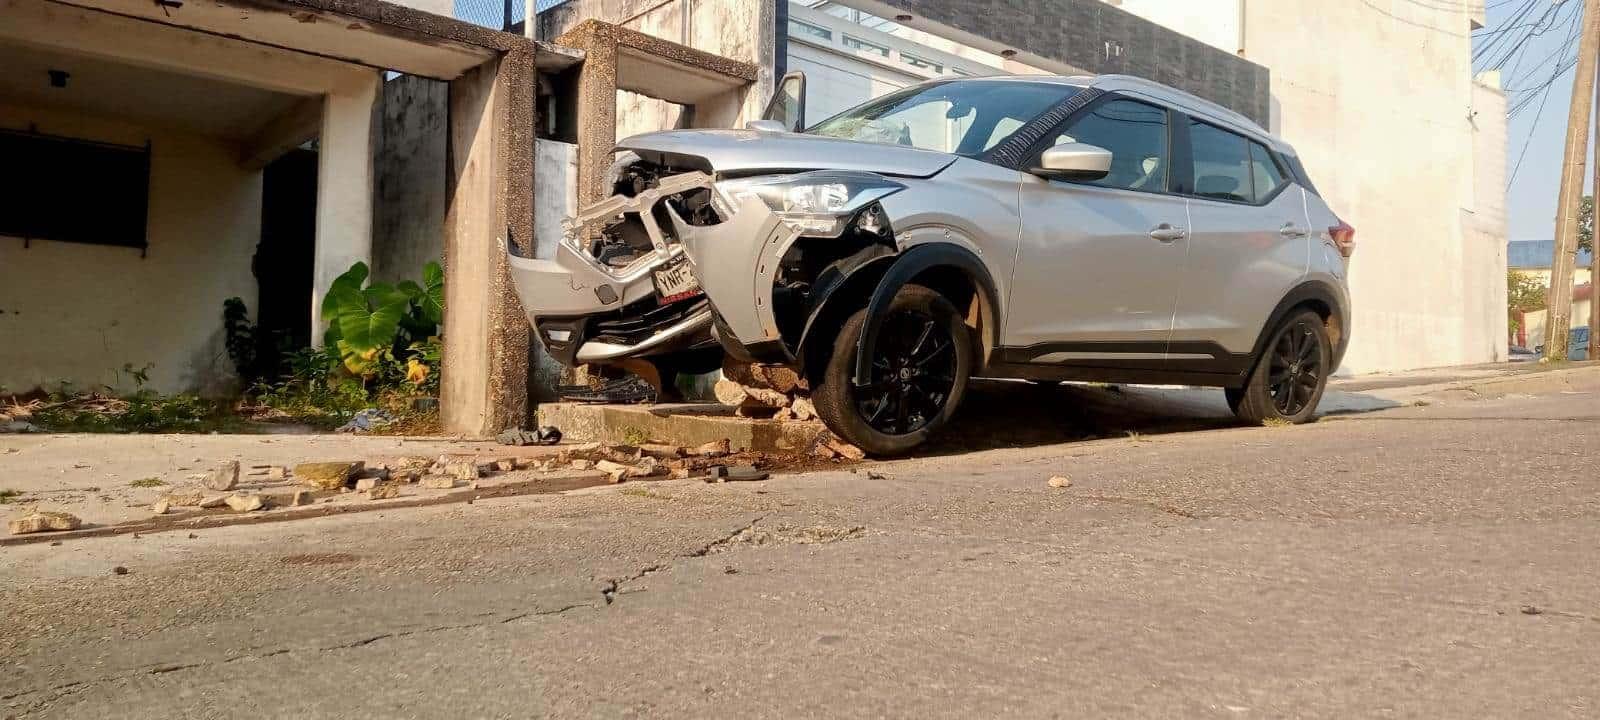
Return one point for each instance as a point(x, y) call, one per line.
point(766, 126)
point(1074, 161)
point(788, 104)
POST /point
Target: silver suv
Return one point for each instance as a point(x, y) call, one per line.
point(1046, 228)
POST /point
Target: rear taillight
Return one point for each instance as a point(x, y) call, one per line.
point(1344, 238)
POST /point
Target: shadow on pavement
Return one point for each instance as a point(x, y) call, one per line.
point(1014, 414)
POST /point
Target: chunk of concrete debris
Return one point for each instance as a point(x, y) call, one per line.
point(161, 506)
point(214, 501)
point(439, 482)
point(44, 521)
point(803, 409)
point(462, 470)
point(505, 464)
point(366, 483)
point(301, 498)
point(661, 452)
point(223, 477)
point(185, 498)
point(582, 464)
point(246, 502)
point(713, 449)
point(617, 472)
point(277, 472)
point(1060, 481)
point(327, 475)
point(844, 449)
point(383, 492)
point(409, 475)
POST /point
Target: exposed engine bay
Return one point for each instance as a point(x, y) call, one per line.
point(677, 268)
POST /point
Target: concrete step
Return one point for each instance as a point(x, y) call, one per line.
point(686, 424)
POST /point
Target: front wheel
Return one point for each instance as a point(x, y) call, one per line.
point(1290, 375)
point(922, 357)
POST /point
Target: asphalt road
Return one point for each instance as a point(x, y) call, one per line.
point(1427, 561)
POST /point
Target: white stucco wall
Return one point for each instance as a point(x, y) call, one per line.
point(1376, 98)
point(80, 312)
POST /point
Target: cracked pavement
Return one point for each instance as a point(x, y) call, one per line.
point(1425, 561)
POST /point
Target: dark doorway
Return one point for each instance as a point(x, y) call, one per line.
point(285, 256)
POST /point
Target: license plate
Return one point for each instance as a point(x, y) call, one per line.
point(676, 282)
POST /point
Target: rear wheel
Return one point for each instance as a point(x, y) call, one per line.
point(1290, 376)
point(921, 359)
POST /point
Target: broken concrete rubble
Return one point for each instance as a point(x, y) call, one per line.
point(327, 475)
point(246, 502)
point(383, 492)
point(224, 476)
point(44, 521)
point(366, 483)
point(439, 482)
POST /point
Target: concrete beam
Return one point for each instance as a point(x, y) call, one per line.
point(310, 28)
point(103, 35)
point(484, 384)
point(344, 190)
point(283, 134)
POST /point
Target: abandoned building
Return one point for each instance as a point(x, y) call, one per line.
point(258, 148)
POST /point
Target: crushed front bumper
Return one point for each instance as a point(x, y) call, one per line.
point(587, 311)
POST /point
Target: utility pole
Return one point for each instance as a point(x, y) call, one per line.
point(1559, 324)
point(1594, 247)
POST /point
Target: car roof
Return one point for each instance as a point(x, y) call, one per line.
point(1190, 104)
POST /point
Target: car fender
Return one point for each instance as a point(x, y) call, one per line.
point(1310, 290)
point(906, 267)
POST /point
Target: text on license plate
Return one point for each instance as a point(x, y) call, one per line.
point(676, 282)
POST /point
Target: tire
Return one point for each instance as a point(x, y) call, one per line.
point(924, 376)
point(1290, 376)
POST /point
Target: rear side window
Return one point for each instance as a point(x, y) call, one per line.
point(1264, 172)
point(1136, 135)
point(1222, 168)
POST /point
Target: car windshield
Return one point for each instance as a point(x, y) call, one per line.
point(964, 117)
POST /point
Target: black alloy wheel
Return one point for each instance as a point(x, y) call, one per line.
point(913, 374)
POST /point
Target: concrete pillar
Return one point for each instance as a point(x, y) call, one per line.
point(597, 109)
point(484, 384)
point(344, 188)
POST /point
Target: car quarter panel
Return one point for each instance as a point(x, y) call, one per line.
point(1242, 260)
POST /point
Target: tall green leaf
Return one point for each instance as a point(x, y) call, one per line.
point(351, 279)
point(370, 320)
point(433, 298)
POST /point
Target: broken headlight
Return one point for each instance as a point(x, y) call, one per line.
point(819, 204)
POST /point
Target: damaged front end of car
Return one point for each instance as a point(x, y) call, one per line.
point(681, 261)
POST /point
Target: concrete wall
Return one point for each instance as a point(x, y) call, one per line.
point(1405, 146)
point(555, 197)
point(1387, 137)
point(744, 30)
point(80, 312)
point(409, 161)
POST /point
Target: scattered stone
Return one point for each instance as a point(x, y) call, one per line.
point(876, 476)
point(713, 449)
point(246, 502)
point(214, 501)
point(410, 475)
point(581, 464)
point(462, 470)
point(1060, 481)
point(119, 570)
point(824, 451)
point(412, 462)
point(505, 464)
point(185, 498)
point(439, 482)
point(44, 521)
point(661, 452)
point(844, 449)
point(617, 472)
point(366, 483)
point(1532, 610)
point(383, 492)
point(301, 498)
point(277, 472)
point(327, 475)
point(224, 476)
point(803, 410)
point(161, 507)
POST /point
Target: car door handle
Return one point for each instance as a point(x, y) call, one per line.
point(1166, 232)
point(1290, 230)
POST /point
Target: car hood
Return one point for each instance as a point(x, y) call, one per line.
point(747, 152)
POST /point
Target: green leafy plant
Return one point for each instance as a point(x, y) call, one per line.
point(378, 323)
point(147, 482)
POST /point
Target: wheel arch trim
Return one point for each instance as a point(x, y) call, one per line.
point(905, 268)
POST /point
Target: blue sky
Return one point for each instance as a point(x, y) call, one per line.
point(1531, 197)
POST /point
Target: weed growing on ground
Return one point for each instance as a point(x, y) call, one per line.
point(9, 496)
point(1276, 422)
point(634, 436)
point(147, 482)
